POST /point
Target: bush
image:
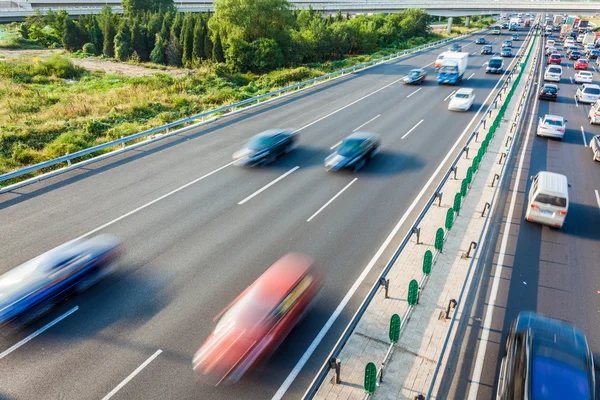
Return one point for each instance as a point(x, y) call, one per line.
point(287, 77)
point(89, 48)
point(58, 66)
point(69, 142)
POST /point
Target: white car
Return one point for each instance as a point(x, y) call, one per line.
point(595, 146)
point(583, 77)
point(553, 73)
point(552, 126)
point(594, 114)
point(588, 93)
point(568, 43)
point(550, 43)
point(462, 100)
point(550, 50)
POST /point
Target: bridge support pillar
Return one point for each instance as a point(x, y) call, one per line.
point(468, 21)
point(449, 29)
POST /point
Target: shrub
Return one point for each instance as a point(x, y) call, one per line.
point(89, 48)
point(68, 142)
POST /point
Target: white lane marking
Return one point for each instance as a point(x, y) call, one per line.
point(470, 76)
point(331, 200)
point(567, 66)
point(268, 185)
point(36, 333)
point(571, 78)
point(413, 92)
point(576, 102)
point(348, 105)
point(371, 120)
point(597, 197)
point(595, 69)
point(583, 136)
point(164, 196)
point(412, 129)
point(450, 95)
point(427, 65)
point(336, 313)
point(132, 375)
point(487, 321)
point(473, 53)
point(484, 64)
point(335, 145)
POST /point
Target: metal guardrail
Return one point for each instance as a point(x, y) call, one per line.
point(273, 95)
point(324, 370)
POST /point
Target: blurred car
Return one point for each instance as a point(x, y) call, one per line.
point(594, 54)
point(251, 328)
point(480, 40)
point(515, 36)
point(550, 42)
point(462, 100)
point(575, 55)
point(554, 58)
point(595, 146)
point(494, 66)
point(571, 49)
point(594, 113)
point(551, 126)
point(545, 359)
point(550, 50)
point(31, 289)
point(265, 147)
point(353, 152)
point(506, 52)
point(415, 76)
point(455, 47)
point(505, 25)
point(583, 77)
point(588, 93)
point(506, 43)
point(581, 63)
point(549, 92)
point(588, 48)
point(486, 49)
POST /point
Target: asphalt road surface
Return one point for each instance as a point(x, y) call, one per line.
point(198, 231)
point(551, 271)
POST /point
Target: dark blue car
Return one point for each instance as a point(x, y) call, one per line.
point(31, 289)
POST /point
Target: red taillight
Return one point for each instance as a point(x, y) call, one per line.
point(561, 130)
point(562, 212)
point(534, 206)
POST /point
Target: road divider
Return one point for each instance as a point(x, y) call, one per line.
point(413, 92)
point(132, 375)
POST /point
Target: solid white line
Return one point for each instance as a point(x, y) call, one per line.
point(487, 321)
point(268, 185)
point(447, 97)
point(335, 145)
point(597, 197)
point(470, 76)
point(413, 92)
point(583, 136)
point(331, 200)
point(567, 66)
point(412, 129)
point(336, 313)
point(132, 375)
point(36, 333)
point(164, 196)
point(371, 120)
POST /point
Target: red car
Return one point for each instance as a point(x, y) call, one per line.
point(582, 63)
point(255, 323)
point(554, 59)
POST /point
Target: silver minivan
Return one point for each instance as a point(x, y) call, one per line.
point(548, 200)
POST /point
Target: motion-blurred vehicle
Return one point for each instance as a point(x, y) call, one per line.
point(588, 48)
point(553, 73)
point(554, 58)
point(31, 289)
point(353, 152)
point(251, 328)
point(575, 55)
point(571, 49)
point(265, 147)
point(455, 48)
point(588, 93)
point(552, 126)
point(582, 63)
point(595, 146)
point(507, 43)
point(462, 100)
point(550, 50)
point(550, 42)
point(515, 37)
point(486, 49)
point(549, 92)
point(594, 113)
point(415, 76)
point(594, 54)
point(496, 30)
point(583, 77)
point(545, 359)
point(494, 66)
point(506, 52)
point(480, 40)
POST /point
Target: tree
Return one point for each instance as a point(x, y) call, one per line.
point(177, 25)
point(108, 32)
point(199, 33)
point(132, 7)
point(187, 39)
point(218, 54)
point(123, 48)
point(240, 54)
point(166, 25)
point(24, 30)
point(208, 46)
point(138, 40)
point(173, 50)
point(95, 34)
point(415, 23)
point(158, 52)
point(71, 36)
point(338, 16)
point(267, 55)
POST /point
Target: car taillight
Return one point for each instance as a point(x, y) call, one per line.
point(562, 212)
point(534, 206)
point(561, 129)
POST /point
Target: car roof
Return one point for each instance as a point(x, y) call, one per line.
point(551, 84)
point(270, 132)
point(554, 117)
point(417, 69)
point(361, 136)
point(464, 91)
point(496, 58)
point(591, 86)
point(560, 332)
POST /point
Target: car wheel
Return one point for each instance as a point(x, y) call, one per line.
point(359, 165)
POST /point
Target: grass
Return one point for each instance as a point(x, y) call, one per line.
point(51, 107)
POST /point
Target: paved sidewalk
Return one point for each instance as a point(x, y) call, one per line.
point(409, 371)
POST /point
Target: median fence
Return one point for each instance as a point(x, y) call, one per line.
point(160, 132)
point(374, 375)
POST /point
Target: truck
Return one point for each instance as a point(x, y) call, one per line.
point(565, 30)
point(513, 24)
point(589, 38)
point(453, 68)
point(583, 25)
point(558, 19)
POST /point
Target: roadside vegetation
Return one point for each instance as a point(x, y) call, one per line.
point(50, 107)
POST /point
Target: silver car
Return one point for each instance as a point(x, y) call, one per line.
point(552, 126)
point(595, 146)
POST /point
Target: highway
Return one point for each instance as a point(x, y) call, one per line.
point(528, 266)
point(198, 231)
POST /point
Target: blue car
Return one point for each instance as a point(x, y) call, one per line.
point(31, 289)
point(506, 52)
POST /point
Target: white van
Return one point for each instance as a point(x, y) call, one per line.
point(594, 114)
point(548, 200)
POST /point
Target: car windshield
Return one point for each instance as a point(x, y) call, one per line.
point(261, 142)
point(558, 374)
point(549, 89)
point(591, 90)
point(585, 73)
point(415, 74)
point(553, 122)
point(582, 61)
point(506, 50)
point(462, 95)
point(555, 70)
point(555, 201)
point(448, 69)
point(350, 147)
point(495, 63)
